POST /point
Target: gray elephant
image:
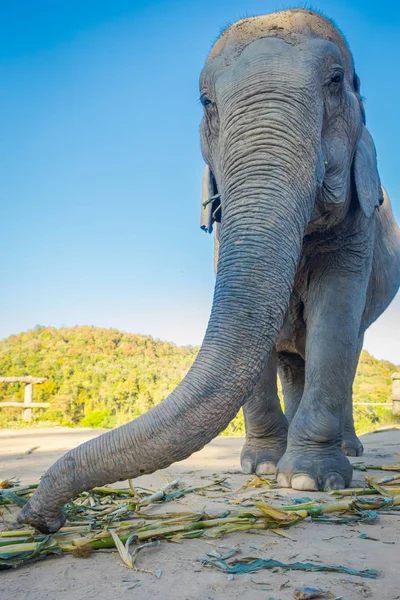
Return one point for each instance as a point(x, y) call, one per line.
point(262, 450)
point(309, 257)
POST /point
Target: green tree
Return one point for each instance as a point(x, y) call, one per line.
point(104, 377)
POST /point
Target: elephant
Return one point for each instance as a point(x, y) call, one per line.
point(309, 257)
point(260, 452)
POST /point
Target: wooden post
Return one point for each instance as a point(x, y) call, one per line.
point(28, 399)
point(27, 405)
point(396, 393)
point(24, 379)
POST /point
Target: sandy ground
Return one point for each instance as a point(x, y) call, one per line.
point(183, 576)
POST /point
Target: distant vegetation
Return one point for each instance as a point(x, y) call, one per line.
point(96, 377)
point(104, 378)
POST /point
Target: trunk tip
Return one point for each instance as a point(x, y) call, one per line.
point(40, 521)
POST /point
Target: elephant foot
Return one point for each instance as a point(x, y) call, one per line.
point(261, 456)
point(351, 445)
point(314, 469)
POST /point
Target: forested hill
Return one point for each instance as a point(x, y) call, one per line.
point(96, 377)
point(103, 377)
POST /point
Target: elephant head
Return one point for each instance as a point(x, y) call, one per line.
point(284, 138)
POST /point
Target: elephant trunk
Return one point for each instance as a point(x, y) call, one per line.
point(267, 202)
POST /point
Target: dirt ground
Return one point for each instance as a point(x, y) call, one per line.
point(183, 576)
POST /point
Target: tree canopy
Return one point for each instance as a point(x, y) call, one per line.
point(96, 377)
point(104, 377)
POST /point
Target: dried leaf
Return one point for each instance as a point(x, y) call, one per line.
point(83, 551)
point(124, 554)
point(282, 533)
point(278, 515)
point(306, 593)
point(256, 482)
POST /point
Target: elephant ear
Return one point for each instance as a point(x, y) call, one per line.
point(366, 176)
point(209, 201)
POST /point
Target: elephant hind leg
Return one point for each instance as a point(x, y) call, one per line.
point(351, 445)
point(291, 369)
point(266, 425)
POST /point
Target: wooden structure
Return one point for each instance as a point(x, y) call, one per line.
point(396, 393)
point(27, 405)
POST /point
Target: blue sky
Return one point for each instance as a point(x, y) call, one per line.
point(100, 163)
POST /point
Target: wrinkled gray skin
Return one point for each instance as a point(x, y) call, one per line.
point(306, 263)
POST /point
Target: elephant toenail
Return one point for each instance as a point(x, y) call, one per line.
point(304, 482)
point(247, 467)
point(348, 451)
point(282, 480)
point(266, 468)
point(333, 481)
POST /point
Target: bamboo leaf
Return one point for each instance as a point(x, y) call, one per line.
point(123, 552)
point(16, 555)
point(277, 515)
point(251, 565)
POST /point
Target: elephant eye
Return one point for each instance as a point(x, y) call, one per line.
point(337, 78)
point(205, 100)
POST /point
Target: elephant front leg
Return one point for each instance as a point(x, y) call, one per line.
point(314, 459)
point(291, 370)
point(266, 425)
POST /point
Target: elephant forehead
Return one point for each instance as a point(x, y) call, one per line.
point(292, 25)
